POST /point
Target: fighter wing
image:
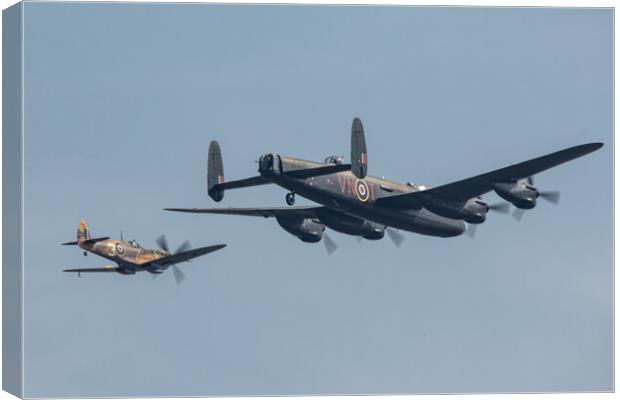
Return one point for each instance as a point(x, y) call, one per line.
point(300, 211)
point(89, 241)
point(186, 255)
point(471, 187)
point(107, 268)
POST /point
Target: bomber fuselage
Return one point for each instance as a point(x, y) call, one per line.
point(346, 193)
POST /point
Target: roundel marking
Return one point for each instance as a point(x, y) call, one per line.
point(120, 249)
point(361, 190)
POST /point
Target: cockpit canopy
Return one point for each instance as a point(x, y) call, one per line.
point(134, 244)
point(336, 159)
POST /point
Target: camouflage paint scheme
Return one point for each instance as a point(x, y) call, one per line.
point(119, 251)
point(129, 255)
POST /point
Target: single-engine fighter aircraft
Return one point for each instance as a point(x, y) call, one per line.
point(356, 204)
point(130, 257)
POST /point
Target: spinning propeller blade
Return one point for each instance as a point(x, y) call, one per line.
point(552, 196)
point(470, 231)
point(502, 208)
point(183, 247)
point(518, 213)
point(162, 243)
point(330, 245)
point(179, 276)
point(396, 237)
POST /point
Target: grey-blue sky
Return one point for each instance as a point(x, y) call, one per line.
point(121, 103)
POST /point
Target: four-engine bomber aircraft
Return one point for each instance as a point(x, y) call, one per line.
point(356, 204)
point(131, 257)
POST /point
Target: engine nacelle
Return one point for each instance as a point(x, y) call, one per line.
point(305, 229)
point(473, 210)
point(521, 194)
point(349, 225)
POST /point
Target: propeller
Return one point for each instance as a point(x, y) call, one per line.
point(502, 208)
point(179, 276)
point(330, 245)
point(396, 237)
point(162, 242)
point(518, 213)
point(470, 231)
point(552, 196)
point(183, 247)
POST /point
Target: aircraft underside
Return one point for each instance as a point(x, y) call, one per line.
point(419, 221)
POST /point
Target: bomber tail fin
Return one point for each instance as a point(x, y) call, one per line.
point(215, 172)
point(359, 156)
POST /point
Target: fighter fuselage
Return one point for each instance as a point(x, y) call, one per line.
point(123, 252)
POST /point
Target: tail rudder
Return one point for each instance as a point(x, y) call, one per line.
point(82, 232)
point(215, 172)
point(359, 157)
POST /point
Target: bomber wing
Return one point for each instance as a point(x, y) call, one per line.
point(475, 186)
point(185, 255)
point(300, 211)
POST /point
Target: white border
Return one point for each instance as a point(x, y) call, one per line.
point(482, 3)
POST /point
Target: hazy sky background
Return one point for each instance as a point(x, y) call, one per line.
point(122, 101)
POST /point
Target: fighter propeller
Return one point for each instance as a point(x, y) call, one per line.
point(162, 243)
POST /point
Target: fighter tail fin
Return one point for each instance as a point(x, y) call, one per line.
point(215, 172)
point(359, 156)
point(83, 233)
